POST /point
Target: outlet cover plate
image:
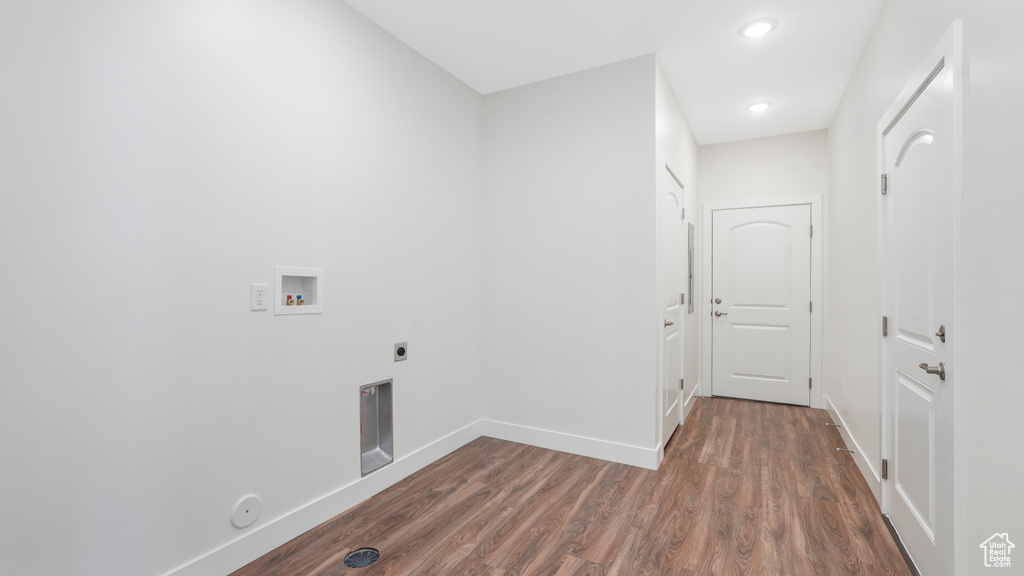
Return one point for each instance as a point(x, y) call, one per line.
point(259, 298)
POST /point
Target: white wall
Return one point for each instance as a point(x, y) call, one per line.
point(569, 262)
point(765, 168)
point(760, 169)
point(992, 240)
point(677, 149)
point(155, 159)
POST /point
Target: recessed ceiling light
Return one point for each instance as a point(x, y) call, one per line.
point(758, 28)
point(759, 107)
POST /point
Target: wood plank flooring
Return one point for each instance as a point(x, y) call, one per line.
point(747, 488)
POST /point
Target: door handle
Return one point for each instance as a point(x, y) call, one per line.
point(667, 323)
point(717, 313)
point(940, 369)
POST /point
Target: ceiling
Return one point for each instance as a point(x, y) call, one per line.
point(802, 66)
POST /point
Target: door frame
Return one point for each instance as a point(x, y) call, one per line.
point(817, 279)
point(949, 53)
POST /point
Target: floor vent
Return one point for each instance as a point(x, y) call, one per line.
point(362, 557)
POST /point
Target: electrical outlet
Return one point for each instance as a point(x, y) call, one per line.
point(259, 298)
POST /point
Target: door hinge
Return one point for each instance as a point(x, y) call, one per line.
point(683, 214)
point(812, 307)
point(681, 384)
point(812, 230)
point(810, 383)
point(682, 299)
point(885, 469)
point(885, 183)
point(885, 326)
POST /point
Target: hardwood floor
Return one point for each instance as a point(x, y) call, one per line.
point(747, 488)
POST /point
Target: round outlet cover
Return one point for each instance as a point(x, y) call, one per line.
point(246, 511)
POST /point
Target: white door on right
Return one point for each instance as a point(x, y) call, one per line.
point(761, 298)
point(918, 209)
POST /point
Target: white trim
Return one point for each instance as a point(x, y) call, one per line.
point(871, 476)
point(689, 402)
point(266, 536)
point(817, 278)
point(256, 542)
point(590, 447)
point(950, 51)
point(956, 38)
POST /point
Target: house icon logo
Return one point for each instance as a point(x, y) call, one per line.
point(997, 550)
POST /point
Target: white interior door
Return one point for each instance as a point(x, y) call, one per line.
point(761, 298)
point(919, 159)
point(674, 262)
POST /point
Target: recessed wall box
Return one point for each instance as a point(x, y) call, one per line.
point(299, 291)
point(376, 431)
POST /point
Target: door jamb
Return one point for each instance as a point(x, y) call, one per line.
point(950, 51)
point(817, 279)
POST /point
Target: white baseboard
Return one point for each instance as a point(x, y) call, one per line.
point(590, 447)
point(239, 552)
point(871, 476)
point(689, 402)
point(252, 545)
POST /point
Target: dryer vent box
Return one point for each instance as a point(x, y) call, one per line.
point(376, 431)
